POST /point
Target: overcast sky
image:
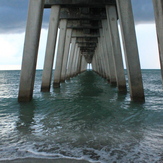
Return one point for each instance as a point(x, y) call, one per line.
point(13, 15)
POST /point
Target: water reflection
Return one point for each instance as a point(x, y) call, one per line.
point(26, 117)
point(89, 85)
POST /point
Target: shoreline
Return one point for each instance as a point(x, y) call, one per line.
point(44, 160)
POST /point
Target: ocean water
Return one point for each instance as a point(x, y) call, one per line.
point(85, 119)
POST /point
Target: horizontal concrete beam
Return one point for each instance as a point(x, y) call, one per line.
point(87, 49)
point(82, 17)
point(90, 42)
point(81, 3)
point(87, 52)
point(79, 14)
point(84, 27)
point(84, 23)
point(81, 34)
point(88, 55)
point(85, 36)
point(76, 24)
point(87, 40)
point(87, 44)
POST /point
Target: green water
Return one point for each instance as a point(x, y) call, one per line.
point(86, 118)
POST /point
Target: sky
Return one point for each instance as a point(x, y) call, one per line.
point(13, 16)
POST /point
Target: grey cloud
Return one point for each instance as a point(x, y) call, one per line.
point(143, 11)
point(13, 14)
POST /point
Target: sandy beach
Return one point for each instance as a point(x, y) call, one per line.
point(42, 160)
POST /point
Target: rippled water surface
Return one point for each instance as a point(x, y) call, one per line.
point(86, 118)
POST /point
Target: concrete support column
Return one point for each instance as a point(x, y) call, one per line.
point(108, 43)
point(77, 62)
point(104, 60)
point(118, 61)
point(98, 59)
point(71, 55)
point(158, 11)
point(60, 52)
point(74, 61)
point(82, 64)
point(83, 67)
point(94, 63)
point(131, 50)
point(50, 48)
point(66, 54)
point(30, 52)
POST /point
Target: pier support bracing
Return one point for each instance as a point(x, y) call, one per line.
point(131, 50)
point(30, 51)
point(158, 10)
point(50, 48)
point(88, 35)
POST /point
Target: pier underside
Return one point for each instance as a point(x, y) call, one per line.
point(88, 34)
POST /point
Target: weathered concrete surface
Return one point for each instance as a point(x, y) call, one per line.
point(100, 57)
point(83, 64)
point(74, 60)
point(50, 48)
point(60, 53)
point(117, 54)
point(77, 61)
point(131, 50)
point(87, 40)
point(94, 33)
point(80, 24)
point(83, 3)
point(66, 54)
point(104, 56)
point(30, 51)
point(108, 42)
point(71, 55)
point(158, 10)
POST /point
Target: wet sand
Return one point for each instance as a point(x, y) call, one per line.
point(42, 160)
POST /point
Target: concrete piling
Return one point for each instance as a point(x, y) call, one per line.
point(158, 12)
point(131, 49)
point(60, 53)
point(50, 48)
point(66, 54)
point(88, 35)
point(32, 36)
point(117, 54)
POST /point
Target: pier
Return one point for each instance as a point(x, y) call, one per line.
point(88, 34)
